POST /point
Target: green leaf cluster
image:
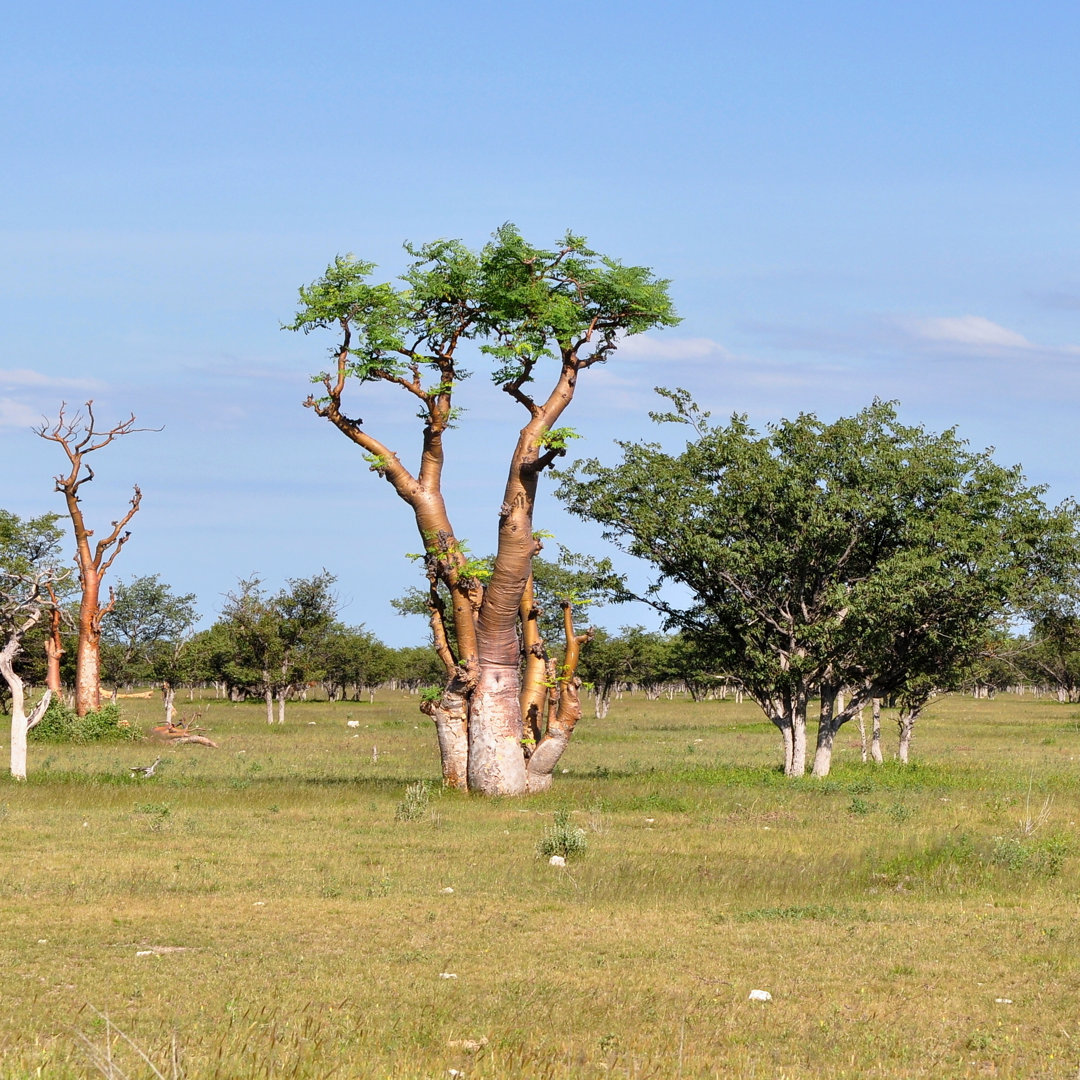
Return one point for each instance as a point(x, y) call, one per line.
point(522, 304)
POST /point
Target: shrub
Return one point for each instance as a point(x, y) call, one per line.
point(1036, 857)
point(61, 725)
point(562, 838)
point(414, 805)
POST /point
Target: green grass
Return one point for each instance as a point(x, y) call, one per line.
point(294, 919)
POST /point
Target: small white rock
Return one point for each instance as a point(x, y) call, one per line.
point(556, 860)
point(447, 975)
point(311, 723)
point(650, 821)
point(1003, 1001)
point(145, 952)
point(259, 903)
point(447, 891)
point(565, 771)
point(43, 941)
point(760, 995)
point(86, 824)
point(352, 723)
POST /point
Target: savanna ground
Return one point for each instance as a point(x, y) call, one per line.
point(262, 910)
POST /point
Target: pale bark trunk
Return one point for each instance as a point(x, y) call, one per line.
point(451, 717)
point(268, 694)
point(875, 738)
point(281, 707)
point(862, 734)
point(906, 723)
point(168, 695)
point(20, 722)
point(496, 762)
point(798, 749)
point(601, 704)
point(557, 738)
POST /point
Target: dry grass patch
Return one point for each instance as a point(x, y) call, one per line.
point(266, 910)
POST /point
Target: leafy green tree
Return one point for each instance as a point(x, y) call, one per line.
point(275, 644)
point(635, 657)
point(862, 555)
point(352, 656)
point(144, 634)
point(531, 311)
point(1051, 656)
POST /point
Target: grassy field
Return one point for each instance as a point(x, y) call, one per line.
point(263, 910)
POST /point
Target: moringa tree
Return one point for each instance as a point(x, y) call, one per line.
point(863, 555)
point(536, 314)
point(79, 437)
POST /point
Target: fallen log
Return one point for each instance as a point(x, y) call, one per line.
point(175, 734)
point(202, 740)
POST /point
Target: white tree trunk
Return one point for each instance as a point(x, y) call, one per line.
point(862, 734)
point(20, 722)
point(268, 694)
point(281, 706)
point(168, 694)
point(875, 738)
point(906, 723)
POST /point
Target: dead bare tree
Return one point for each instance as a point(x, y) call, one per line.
point(79, 437)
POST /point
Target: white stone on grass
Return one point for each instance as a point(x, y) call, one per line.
point(556, 860)
point(760, 995)
point(447, 891)
point(447, 975)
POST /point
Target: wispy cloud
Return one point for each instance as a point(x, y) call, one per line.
point(682, 350)
point(968, 330)
point(22, 378)
point(17, 414)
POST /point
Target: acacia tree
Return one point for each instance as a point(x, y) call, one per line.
point(862, 555)
point(531, 310)
point(80, 437)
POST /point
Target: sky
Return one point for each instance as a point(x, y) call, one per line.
point(851, 201)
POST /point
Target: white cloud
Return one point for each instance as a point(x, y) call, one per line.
point(20, 377)
point(17, 414)
point(644, 347)
point(971, 330)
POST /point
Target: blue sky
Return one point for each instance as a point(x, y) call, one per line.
point(850, 199)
